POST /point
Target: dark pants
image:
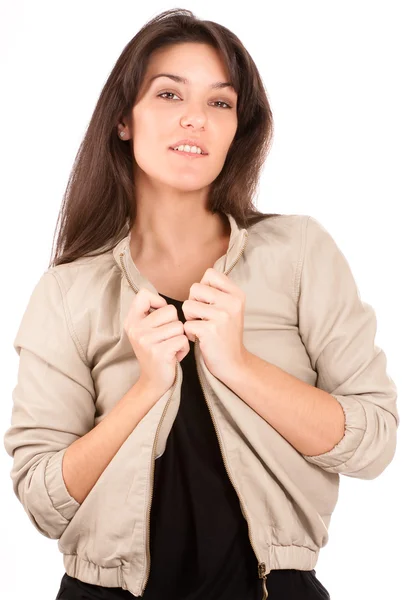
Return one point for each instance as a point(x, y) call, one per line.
point(282, 585)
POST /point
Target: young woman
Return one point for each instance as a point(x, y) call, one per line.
point(194, 375)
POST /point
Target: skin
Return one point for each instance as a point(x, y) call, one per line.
point(172, 191)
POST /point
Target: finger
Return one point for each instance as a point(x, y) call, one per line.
point(166, 314)
point(156, 335)
point(199, 310)
point(220, 281)
point(207, 294)
point(145, 305)
point(144, 301)
point(222, 301)
point(195, 329)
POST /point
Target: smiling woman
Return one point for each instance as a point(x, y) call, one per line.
point(167, 428)
point(190, 115)
point(195, 147)
point(179, 81)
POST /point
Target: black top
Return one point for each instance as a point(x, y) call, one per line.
point(199, 542)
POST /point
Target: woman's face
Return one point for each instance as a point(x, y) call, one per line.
point(167, 111)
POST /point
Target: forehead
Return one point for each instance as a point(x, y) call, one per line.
point(189, 63)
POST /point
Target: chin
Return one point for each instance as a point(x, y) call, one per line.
point(187, 184)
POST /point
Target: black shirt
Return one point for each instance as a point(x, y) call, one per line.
point(199, 541)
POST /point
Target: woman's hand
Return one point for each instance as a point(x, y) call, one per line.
point(214, 313)
point(157, 339)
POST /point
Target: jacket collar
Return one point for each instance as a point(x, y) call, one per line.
point(122, 254)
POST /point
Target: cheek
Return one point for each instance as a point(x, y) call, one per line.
point(149, 156)
point(146, 144)
point(152, 133)
point(227, 132)
point(144, 124)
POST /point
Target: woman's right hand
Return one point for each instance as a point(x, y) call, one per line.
point(157, 338)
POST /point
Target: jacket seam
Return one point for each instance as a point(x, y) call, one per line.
point(91, 561)
point(301, 259)
point(293, 546)
point(68, 320)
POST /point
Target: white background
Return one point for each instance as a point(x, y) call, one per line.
point(337, 79)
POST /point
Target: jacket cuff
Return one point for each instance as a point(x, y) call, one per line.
point(61, 499)
point(355, 427)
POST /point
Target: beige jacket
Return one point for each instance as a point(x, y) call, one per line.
point(303, 313)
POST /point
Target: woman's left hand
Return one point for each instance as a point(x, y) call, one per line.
point(214, 313)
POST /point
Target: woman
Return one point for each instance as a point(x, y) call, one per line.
point(190, 367)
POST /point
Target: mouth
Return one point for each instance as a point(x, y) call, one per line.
point(190, 155)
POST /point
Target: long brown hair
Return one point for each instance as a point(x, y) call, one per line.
point(99, 201)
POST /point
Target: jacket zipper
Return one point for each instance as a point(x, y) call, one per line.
point(261, 566)
point(148, 518)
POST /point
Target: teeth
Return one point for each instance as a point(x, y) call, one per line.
point(186, 148)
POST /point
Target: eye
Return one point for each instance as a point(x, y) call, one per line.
point(162, 95)
point(223, 102)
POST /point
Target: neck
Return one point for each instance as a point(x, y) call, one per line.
point(170, 232)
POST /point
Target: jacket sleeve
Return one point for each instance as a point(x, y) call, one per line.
point(338, 330)
point(53, 405)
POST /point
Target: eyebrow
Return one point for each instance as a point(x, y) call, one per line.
point(218, 85)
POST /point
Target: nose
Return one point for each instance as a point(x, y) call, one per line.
point(194, 116)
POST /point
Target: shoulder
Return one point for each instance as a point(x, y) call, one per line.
point(289, 245)
point(283, 233)
point(279, 226)
point(295, 231)
point(86, 273)
point(88, 283)
point(87, 293)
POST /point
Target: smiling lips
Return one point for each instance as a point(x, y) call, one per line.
point(188, 154)
point(191, 142)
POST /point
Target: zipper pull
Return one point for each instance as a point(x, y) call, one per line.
point(262, 575)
